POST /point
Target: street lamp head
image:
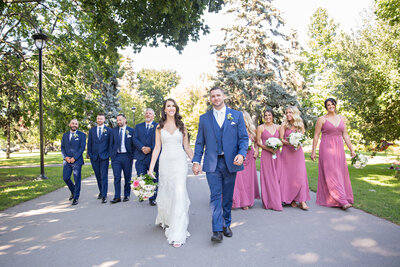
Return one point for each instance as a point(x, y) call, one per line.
point(133, 109)
point(40, 39)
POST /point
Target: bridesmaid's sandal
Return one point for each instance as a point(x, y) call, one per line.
point(303, 206)
point(345, 207)
point(245, 208)
point(176, 244)
point(293, 204)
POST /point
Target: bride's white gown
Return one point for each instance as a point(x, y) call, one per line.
point(172, 197)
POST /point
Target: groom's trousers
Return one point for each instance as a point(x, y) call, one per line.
point(222, 184)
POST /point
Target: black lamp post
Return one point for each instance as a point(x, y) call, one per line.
point(133, 110)
point(40, 42)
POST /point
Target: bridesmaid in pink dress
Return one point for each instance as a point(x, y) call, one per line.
point(270, 191)
point(334, 187)
point(293, 173)
point(246, 184)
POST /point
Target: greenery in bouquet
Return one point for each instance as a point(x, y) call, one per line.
point(143, 186)
point(359, 161)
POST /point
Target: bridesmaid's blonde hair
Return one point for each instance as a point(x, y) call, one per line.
point(248, 121)
point(297, 121)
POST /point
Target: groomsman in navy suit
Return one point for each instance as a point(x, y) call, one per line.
point(222, 132)
point(73, 144)
point(121, 153)
point(144, 140)
point(99, 153)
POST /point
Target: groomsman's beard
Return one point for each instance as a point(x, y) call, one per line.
point(73, 128)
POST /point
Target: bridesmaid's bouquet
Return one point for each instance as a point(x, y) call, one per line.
point(296, 139)
point(143, 186)
point(359, 161)
point(274, 143)
point(250, 144)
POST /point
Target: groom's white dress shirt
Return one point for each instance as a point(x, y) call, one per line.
point(219, 115)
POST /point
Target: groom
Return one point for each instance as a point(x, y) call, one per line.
point(223, 132)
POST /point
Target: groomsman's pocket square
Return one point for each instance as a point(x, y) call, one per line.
point(233, 123)
point(129, 136)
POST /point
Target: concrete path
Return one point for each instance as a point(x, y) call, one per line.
point(48, 231)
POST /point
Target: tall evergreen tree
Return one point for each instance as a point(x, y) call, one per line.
point(256, 61)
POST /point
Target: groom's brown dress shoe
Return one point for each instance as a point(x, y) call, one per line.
point(217, 237)
point(227, 231)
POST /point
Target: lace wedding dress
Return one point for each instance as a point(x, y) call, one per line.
point(172, 198)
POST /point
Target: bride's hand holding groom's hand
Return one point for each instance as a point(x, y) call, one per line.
point(196, 168)
point(238, 160)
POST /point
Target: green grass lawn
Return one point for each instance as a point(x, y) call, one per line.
point(20, 185)
point(16, 160)
point(375, 188)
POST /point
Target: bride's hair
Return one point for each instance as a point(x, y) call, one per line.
point(178, 118)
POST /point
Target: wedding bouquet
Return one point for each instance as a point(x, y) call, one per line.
point(143, 186)
point(274, 143)
point(296, 139)
point(359, 161)
point(250, 144)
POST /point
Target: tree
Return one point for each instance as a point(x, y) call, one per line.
point(256, 62)
point(154, 85)
point(388, 10)
point(368, 81)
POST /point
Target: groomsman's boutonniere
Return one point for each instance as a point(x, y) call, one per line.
point(104, 130)
point(151, 126)
point(76, 135)
point(229, 116)
point(127, 132)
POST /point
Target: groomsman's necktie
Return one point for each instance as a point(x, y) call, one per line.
point(99, 132)
point(147, 127)
point(120, 140)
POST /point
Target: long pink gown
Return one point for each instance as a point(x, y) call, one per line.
point(334, 186)
point(270, 191)
point(246, 184)
point(293, 174)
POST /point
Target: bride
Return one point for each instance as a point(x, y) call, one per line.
point(172, 198)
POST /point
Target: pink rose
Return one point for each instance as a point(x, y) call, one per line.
point(136, 183)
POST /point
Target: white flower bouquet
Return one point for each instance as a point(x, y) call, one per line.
point(359, 161)
point(250, 144)
point(274, 143)
point(296, 139)
point(144, 186)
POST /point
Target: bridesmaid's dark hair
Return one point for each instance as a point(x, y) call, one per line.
point(332, 100)
point(269, 110)
point(178, 118)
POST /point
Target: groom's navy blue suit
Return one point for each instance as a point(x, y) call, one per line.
point(143, 137)
point(99, 153)
point(222, 144)
point(73, 146)
point(122, 161)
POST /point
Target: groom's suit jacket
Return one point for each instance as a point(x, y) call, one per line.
point(142, 138)
point(235, 140)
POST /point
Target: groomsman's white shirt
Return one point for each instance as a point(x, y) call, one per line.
point(148, 125)
point(123, 148)
point(70, 135)
point(220, 115)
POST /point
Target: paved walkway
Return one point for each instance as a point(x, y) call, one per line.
point(48, 231)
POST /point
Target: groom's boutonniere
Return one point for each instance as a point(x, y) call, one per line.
point(229, 116)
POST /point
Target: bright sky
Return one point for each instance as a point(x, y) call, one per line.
point(197, 58)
